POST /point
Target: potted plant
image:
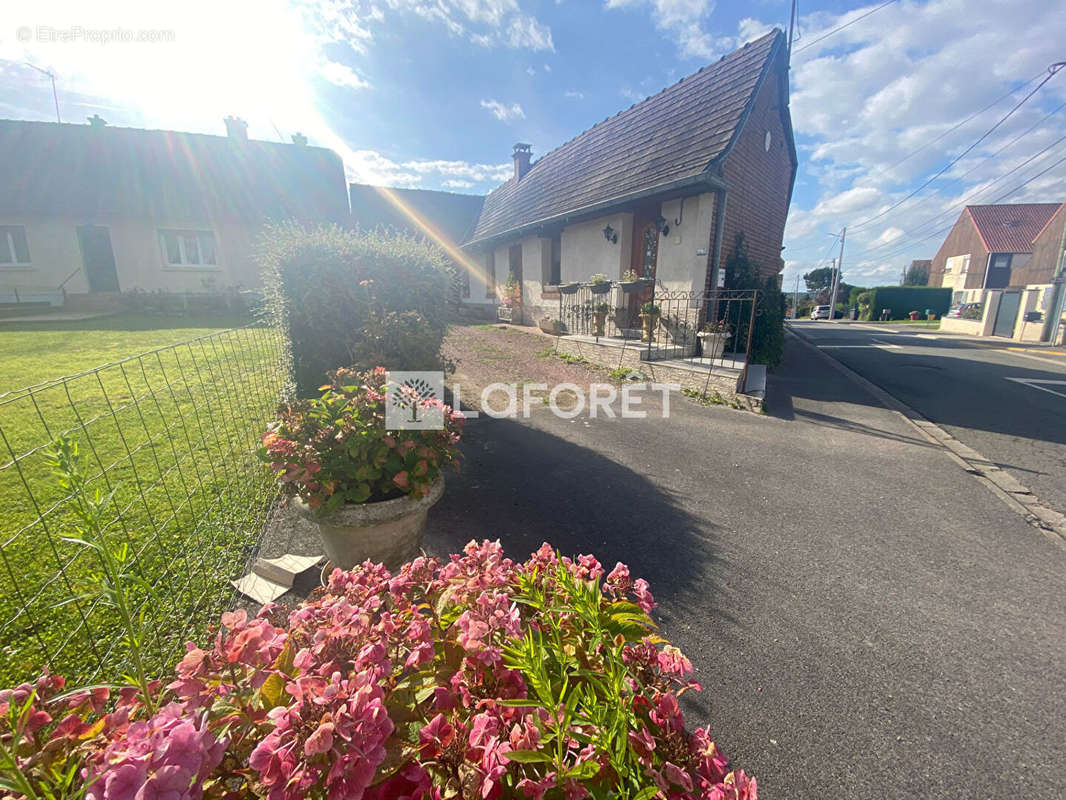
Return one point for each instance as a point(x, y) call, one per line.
point(551, 325)
point(599, 317)
point(713, 337)
point(929, 315)
point(569, 288)
point(649, 317)
point(599, 284)
point(367, 488)
point(511, 300)
point(914, 315)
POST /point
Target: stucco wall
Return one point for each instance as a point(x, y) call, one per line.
point(586, 252)
point(55, 254)
point(684, 255)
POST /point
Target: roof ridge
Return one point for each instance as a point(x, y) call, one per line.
point(772, 33)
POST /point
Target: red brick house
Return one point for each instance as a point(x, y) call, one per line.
point(663, 188)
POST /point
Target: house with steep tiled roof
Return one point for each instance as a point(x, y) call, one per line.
point(664, 189)
point(1006, 258)
point(89, 211)
point(988, 244)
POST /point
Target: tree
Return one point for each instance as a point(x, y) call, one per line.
point(917, 274)
point(819, 280)
point(768, 335)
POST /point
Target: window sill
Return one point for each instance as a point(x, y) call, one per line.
point(550, 294)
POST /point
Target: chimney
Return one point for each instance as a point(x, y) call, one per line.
point(96, 121)
point(236, 128)
point(299, 139)
point(522, 154)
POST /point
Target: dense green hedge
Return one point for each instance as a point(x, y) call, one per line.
point(901, 300)
point(349, 298)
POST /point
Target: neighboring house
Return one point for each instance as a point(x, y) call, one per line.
point(97, 210)
point(663, 188)
point(1005, 257)
point(988, 248)
point(446, 218)
point(446, 215)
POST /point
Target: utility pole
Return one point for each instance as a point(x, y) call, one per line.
point(838, 265)
point(791, 30)
point(796, 300)
point(52, 75)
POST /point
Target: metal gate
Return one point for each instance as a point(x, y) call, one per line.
point(1007, 313)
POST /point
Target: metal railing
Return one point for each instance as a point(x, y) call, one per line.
point(710, 328)
point(172, 433)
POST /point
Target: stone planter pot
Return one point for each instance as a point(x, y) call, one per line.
point(628, 287)
point(552, 326)
point(389, 532)
point(648, 323)
point(599, 321)
point(713, 344)
point(569, 288)
point(599, 288)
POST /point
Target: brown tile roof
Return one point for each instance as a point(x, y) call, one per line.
point(670, 136)
point(54, 169)
point(1011, 228)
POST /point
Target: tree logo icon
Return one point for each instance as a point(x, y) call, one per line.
point(406, 406)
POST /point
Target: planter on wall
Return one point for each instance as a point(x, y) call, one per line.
point(599, 288)
point(648, 323)
point(552, 326)
point(599, 321)
point(504, 313)
point(389, 532)
point(569, 288)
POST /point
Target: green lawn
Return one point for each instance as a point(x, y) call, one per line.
point(173, 431)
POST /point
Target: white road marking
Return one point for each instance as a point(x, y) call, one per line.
point(1040, 383)
point(925, 336)
point(878, 346)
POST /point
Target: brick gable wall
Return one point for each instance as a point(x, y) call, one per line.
point(1046, 248)
point(759, 181)
point(962, 240)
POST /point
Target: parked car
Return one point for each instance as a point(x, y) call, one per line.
point(965, 311)
point(820, 312)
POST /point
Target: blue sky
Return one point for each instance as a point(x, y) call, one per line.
point(433, 93)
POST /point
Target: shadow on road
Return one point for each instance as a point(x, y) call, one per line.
point(525, 486)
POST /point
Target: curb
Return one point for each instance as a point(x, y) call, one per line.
point(1000, 482)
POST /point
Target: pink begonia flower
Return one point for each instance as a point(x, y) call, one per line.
point(712, 764)
point(677, 776)
point(618, 582)
point(673, 662)
point(536, 789)
point(643, 744)
point(436, 735)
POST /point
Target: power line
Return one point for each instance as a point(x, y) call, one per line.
point(842, 27)
point(954, 209)
point(1052, 71)
point(1017, 188)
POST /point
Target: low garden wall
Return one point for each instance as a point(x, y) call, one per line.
point(724, 380)
point(973, 327)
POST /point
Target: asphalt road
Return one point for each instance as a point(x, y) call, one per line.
point(1005, 404)
point(867, 620)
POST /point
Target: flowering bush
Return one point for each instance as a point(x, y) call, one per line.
point(470, 678)
point(335, 449)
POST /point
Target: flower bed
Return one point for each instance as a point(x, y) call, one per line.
point(470, 678)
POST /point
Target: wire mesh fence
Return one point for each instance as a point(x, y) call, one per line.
point(172, 433)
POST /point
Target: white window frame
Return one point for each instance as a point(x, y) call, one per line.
point(181, 233)
point(7, 241)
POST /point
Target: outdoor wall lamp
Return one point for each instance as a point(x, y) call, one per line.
point(610, 235)
point(662, 226)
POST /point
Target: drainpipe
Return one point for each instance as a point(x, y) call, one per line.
point(716, 247)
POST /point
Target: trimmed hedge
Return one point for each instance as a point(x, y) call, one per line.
point(901, 300)
point(350, 298)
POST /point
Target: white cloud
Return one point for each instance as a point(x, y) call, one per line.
point(868, 97)
point(504, 112)
point(685, 20)
point(456, 184)
point(342, 75)
point(572, 94)
point(487, 23)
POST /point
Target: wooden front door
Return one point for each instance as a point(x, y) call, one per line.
point(644, 260)
point(514, 264)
